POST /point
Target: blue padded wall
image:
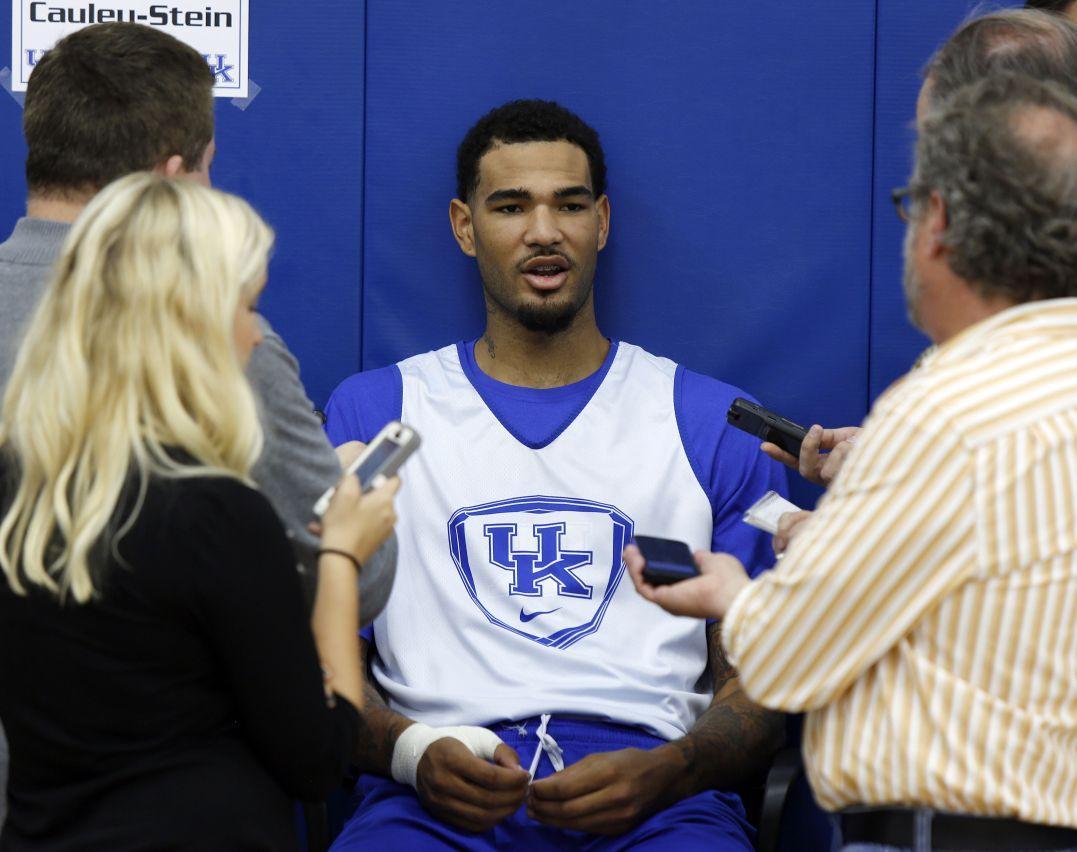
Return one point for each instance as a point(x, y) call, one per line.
point(297, 155)
point(12, 147)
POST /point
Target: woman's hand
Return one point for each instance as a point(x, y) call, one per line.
point(358, 523)
point(348, 452)
point(355, 523)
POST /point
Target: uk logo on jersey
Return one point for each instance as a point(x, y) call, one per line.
point(545, 568)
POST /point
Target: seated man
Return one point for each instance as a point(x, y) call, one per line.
point(545, 446)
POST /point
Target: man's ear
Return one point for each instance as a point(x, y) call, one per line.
point(936, 221)
point(463, 226)
point(602, 207)
point(171, 167)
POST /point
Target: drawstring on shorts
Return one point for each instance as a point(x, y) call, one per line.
point(547, 744)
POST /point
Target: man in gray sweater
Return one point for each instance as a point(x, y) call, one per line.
point(117, 98)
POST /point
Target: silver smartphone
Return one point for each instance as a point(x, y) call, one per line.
point(382, 458)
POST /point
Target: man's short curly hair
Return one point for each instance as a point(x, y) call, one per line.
point(1002, 154)
point(527, 121)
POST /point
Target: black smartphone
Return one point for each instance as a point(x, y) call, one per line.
point(756, 420)
point(668, 561)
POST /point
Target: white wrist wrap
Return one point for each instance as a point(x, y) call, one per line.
point(416, 739)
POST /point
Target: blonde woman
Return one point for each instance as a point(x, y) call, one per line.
point(160, 683)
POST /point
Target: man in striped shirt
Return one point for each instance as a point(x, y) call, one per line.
point(926, 615)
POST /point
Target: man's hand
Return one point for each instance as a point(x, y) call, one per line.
point(607, 793)
point(822, 453)
point(790, 525)
point(467, 791)
point(707, 596)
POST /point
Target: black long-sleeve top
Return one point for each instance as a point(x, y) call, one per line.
point(182, 708)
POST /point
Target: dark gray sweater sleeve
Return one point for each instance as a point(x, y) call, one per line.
point(297, 465)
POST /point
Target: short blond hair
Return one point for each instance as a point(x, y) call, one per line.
point(128, 370)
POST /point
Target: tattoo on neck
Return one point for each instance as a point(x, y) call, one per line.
point(489, 346)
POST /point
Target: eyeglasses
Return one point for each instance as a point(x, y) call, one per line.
point(902, 198)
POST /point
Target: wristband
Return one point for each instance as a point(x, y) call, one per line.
point(416, 739)
point(350, 557)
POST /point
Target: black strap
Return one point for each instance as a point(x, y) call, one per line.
point(344, 553)
point(953, 832)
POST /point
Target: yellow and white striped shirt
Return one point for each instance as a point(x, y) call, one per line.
point(926, 617)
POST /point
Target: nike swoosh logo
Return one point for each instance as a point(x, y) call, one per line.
point(527, 616)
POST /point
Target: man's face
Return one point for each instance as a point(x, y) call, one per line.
point(912, 283)
point(535, 229)
point(927, 269)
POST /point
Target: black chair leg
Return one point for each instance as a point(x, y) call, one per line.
point(785, 770)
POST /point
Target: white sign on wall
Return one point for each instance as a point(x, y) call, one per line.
point(217, 29)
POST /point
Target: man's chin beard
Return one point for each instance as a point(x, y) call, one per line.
point(546, 319)
point(911, 284)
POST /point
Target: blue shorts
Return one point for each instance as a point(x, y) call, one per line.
point(390, 815)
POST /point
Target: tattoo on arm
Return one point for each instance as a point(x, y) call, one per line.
point(379, 727)
point(732, 743)
point(721, 670)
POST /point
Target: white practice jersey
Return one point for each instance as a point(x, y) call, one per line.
point(511, 598)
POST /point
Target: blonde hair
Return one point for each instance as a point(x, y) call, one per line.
point(128, 370)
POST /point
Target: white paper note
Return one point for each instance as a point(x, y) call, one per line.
point(765, 512)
